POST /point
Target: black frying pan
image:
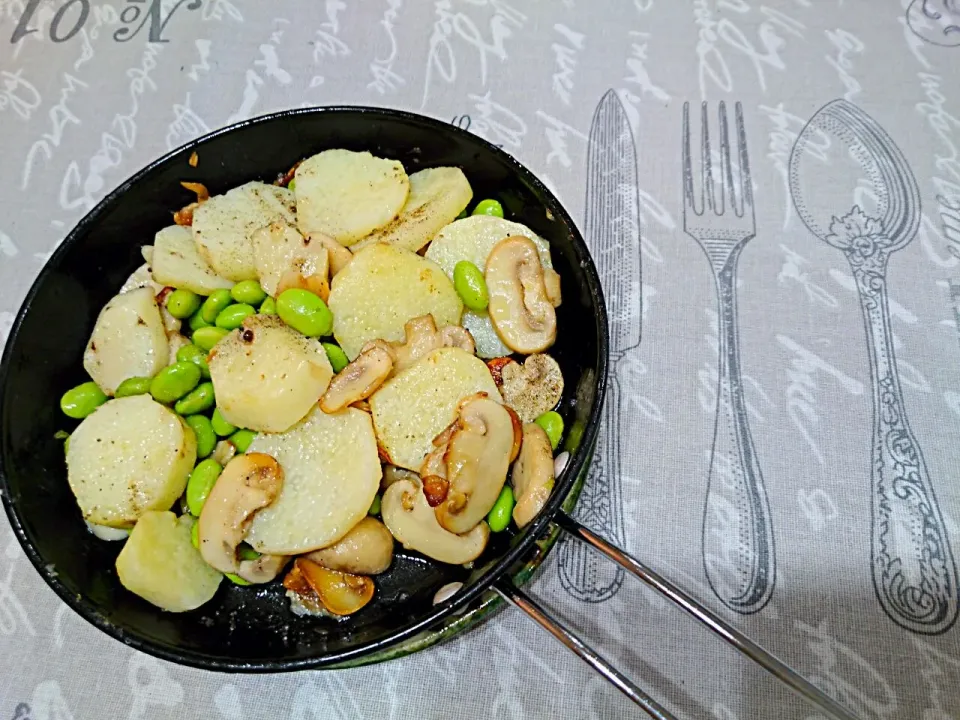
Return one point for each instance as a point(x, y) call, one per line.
point(251, 629)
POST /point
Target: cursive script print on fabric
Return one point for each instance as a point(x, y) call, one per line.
point(737, 543)
point(913, 568)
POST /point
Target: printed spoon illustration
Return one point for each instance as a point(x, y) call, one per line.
point(913, 568)
point(612, 229)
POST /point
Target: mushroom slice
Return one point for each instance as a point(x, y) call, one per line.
point(247, 484)
point(456, 336)
point(392, 474)
point(366, 550)
point(341, 593)
point(421, 337)
point(551, 283)
point(532, 477)
point(477, 458)
point(520, 309)
point(340, 256)
point(358, 380)
point(413, 523)
point(532, 388)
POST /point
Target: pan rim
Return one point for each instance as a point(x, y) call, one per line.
point(369, 650)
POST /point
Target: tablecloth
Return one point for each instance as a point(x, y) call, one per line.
point(788, 399)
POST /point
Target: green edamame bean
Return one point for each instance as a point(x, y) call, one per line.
point(470, 286)
point(248, 291)
point(489, 207)
point(292, 185)
point(200, 483)
point(236, 579)
point(245, 552)
point(65, 436)
point(133, 386)
point(337, 357)
point(220, 426)
point(463, 214)
point(233, 316)
point(174, 381)
point(198, 400)
point(499, 517)
point(305, 312)
point(82, 400)
point(197, 356)
point(183, 303)
point(195, 535)
point(375, 505)
point(552, 424)
point(268, 307)
point(242, 439)
point(203, 429)
point(196, 321)
point(215, 304)
point(206, 337)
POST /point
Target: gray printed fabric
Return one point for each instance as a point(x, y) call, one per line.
point(782, 441)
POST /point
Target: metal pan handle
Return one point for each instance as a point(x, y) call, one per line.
point(709, 619)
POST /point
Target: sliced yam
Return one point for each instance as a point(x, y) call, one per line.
point(411, 409)
point(286, 259)
point(132, 455)
point(331, 473)
point(223, 226)
point(178, 263)
point(160, 564)
point(381, 289)
point(267, 376)
point(128, 340)
point(437, 197)
point(472, 239)
point(489, 344)
point(347, 195)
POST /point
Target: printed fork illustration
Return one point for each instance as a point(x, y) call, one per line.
point(738, 547)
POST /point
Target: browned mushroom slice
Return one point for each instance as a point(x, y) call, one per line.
point(366, 550)
point(414, 524)
point(392, 474)
point(478, 456)
point(421, 337)
point(341, 593)
point(248, 483)
point(532, 388)
point(520, 310)
point(551, 283)
point(358, 380)
point(339, 256)
point(532, 477)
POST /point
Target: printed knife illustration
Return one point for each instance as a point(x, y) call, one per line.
point(612, 229)
point(738, 546)
point(914, 573)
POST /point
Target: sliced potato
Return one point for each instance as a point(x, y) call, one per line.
point(410, 410)
point(267, 376)
point(473, 239)
point(160, 564)
point(177, 262)
point(284, 257)
point(128, 340)
point(223, 225)
point(131, 456)
point(142, 277)
point(347, 195)
point(437, 196)
point(381, 289)
point(331, 474)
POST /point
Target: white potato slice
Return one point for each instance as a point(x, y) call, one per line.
point(437, 196)
point(130, 456)
point(283, 255)
point(223, 225)
point(473, 239)
point(331, 473)
point(178, 263)
point(410, 410)
point(160, 564)
point(347, 195)
point(142, 277)
point(128, 340)
point(381, 289)
point(266, 375)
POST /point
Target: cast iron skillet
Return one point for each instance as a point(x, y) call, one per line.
point(251, 629)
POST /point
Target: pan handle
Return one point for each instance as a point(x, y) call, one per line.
point(709, 619)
